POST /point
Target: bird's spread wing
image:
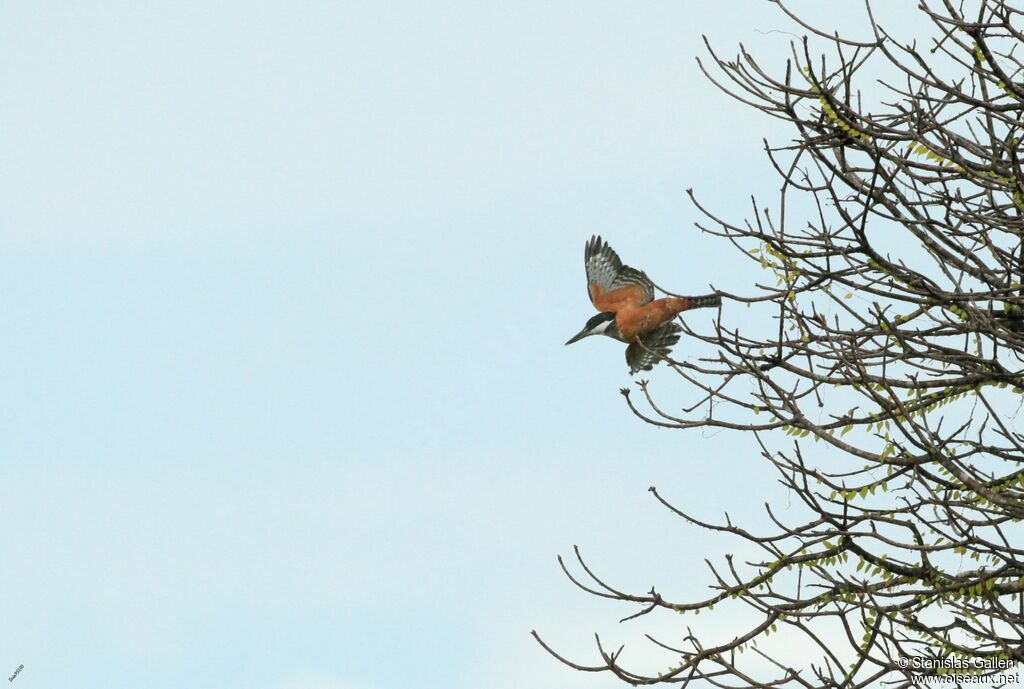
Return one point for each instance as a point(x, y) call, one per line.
point(611, 285)
point(656, 345)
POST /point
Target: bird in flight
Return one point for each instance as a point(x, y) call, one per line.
point(629, 312)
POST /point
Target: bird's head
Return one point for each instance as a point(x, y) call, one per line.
point(601, 324)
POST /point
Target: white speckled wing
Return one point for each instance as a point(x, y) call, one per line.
point(605, 270)
point(656, 346)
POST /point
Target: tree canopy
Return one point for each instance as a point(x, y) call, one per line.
point(887, 391)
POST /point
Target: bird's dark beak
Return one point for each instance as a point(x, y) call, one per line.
point(578, 336)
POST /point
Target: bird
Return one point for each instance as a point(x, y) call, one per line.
point(628, 311)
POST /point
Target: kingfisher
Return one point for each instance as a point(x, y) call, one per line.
point(627, 308)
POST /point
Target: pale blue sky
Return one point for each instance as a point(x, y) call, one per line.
point(285, 286)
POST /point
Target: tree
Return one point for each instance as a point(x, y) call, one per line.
point(898, 349)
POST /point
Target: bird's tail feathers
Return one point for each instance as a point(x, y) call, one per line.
point(707, 301)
